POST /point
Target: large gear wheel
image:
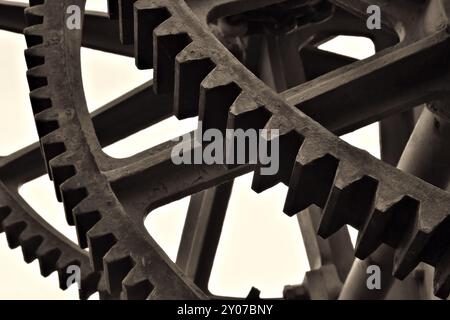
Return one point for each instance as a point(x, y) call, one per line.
point(185, 42)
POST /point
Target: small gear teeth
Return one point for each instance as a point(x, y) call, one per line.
point(136, 286)
point(192, 66)
point(40, 100)
point(117, 263)
point(147, 19)
point(169, 40)
point(217, 94)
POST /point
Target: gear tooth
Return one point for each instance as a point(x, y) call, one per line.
point(34, 14)
point(287, 143)
point(48, 257)
point(89, 283)
point(136, 285)
point(35, 56)
point(442, 276)
point(409, 254)
point(72, 194)
point(61, 170)
point(40, 104)
point(34, 35)
point(30, 242)
point(117, 263)
point(146, 20)
point(246, 113)
point(37, 77)
point(168, 41)
point(13, 226)
point(100, 241)
point(192, 65)
point(217, 94)
point(4, 213)
point(85, 220)
point(390, 212)
point(40, 99)
point(350, 201)
point(126, 23)
point(310, 182)
point(44, 124)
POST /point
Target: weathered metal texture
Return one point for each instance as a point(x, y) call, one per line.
point(194, 74)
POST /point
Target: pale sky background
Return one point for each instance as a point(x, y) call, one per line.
point(260, 246)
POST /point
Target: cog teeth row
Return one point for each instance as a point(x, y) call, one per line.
point(136, 285)
point(289, 142)
point(169, 40)
point(117, 263)
point(217, 94)
point(147, 19)
point(126, 22)
point(192, 66)
point(349, 202)
point(34, 246)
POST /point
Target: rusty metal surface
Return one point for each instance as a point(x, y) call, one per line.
point(107, 199)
